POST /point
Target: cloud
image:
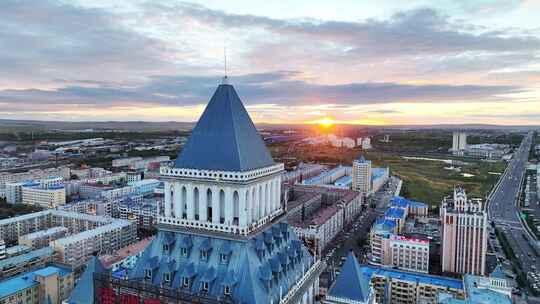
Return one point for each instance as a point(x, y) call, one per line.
point(414, 32)
point(278, 88)
point(47, 39)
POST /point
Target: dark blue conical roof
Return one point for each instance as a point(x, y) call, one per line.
point(350, 284)
point(225, 138)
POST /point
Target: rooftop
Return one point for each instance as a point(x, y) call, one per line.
point(394, 212)
point(26, 280)
point(368, 271)
point(225, 138)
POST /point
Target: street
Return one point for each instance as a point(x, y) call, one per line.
point(504, 212)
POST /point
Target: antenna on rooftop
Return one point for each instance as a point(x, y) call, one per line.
point(225, 78)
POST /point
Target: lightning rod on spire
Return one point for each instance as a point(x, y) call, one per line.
point(225, 78)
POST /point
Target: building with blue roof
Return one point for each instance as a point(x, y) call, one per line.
point(399, 286)
point(351, 286)
point(494, 289)
point(222, 236)
point(21, 263)
point(390, 247)
point(50, 284)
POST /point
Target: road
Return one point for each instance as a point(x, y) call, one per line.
point(504, 212)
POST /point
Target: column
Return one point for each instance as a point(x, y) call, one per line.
point(215, 205)
point(190, 203)
point(242, 208)
point(229, 206)
point(203, 208)
point(255, 203)
point(167, 199)
point(277, 194)
point(177, 202)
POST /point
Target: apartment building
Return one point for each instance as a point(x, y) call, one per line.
point(50, 196)
point(77, 249)
point(361, 174)
point(463, 234)
point(25, 262)
point(40, 239)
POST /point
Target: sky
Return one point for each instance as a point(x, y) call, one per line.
point(351, 61)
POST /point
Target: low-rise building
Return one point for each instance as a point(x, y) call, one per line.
point(51, 284)
point(399, 286)
point(494, 289)
point(50, 196)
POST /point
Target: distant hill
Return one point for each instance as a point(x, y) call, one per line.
point(7, 125)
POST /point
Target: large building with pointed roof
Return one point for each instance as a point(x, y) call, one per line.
point(222, 236)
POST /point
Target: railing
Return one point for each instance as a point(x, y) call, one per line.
point(118, 288)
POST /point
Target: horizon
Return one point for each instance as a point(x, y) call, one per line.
point(415, 63)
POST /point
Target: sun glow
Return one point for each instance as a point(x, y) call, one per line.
point(326, 122)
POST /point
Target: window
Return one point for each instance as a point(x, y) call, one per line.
point(167, 277)
point(227, 290)
point(185, 282)
point(148, 274)
point(223, 258)
point(165, 247)
point(204, 255)
point(205, 286)
point(183, 251)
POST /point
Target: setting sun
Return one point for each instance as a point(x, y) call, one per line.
point(326, 122)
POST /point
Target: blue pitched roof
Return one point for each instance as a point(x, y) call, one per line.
point(225, 138)
point(83, 293)
point(248, 267)
point(350, 284)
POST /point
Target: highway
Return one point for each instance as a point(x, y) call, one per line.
point(504, 212)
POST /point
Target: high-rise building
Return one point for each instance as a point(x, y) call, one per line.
point(222, 237)
point(459, 142)
point(464, 234)
point(361, 175)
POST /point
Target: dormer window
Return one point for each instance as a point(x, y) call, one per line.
point(227, 290)
point(148, 274)
point(204, 255)
point(185, 282)
point(223, 258)
point(183, 251)
point(167, 277)
point(205, 286)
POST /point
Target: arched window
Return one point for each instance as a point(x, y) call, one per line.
point(209, 204)
point(236, 208)
point(196, 202)
point(221, 206)
point(184, 202)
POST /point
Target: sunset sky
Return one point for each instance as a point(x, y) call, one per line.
point(351, 61)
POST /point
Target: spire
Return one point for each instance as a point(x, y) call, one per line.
point(350, 283)
point(224, 138)
point(225, 77)
point(83, 293)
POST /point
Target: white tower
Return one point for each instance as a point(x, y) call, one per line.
point(219, 186)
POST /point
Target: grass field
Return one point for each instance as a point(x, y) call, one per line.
point(428, 181)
